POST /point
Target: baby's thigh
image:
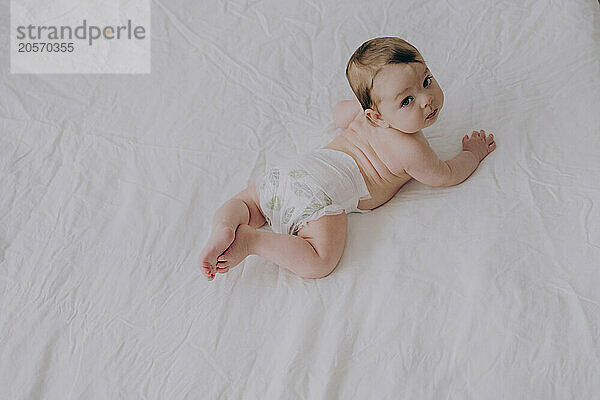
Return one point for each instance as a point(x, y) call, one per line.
point(327, 235)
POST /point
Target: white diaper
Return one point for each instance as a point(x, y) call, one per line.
point(322, 182)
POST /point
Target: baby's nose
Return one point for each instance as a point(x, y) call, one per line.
point(426, 101)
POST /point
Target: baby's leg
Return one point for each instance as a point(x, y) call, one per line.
point(241, 209)
point(314, 253)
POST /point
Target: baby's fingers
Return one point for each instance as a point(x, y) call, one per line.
point(490, 138)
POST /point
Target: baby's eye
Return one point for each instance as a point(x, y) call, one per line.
point(406, 101)
point(430, 79)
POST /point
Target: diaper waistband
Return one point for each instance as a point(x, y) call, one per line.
point(352, 169)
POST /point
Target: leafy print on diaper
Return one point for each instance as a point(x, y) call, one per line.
point(313, 207)
point(273, 176)
point(274, 203)
point(326, 199)
point(287, 214)
point(317, 203)
point(302, 190)
point(298, 173)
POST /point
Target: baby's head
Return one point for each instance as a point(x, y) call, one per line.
point(393, 84)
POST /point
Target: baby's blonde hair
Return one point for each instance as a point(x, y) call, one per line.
point(368, 60)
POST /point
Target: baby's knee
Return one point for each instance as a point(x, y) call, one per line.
point(321, 269)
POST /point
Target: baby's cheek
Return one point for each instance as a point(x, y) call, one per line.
point(410, 126)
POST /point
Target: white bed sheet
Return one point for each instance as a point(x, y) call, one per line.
point(485, 290)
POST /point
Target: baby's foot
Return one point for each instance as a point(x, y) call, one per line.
point(219, 241)
point(237, 251)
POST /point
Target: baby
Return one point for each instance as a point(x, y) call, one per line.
point(381, 147)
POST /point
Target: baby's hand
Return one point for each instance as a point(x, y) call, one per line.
point(479, 144)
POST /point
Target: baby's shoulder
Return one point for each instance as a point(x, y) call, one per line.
point(396, 148)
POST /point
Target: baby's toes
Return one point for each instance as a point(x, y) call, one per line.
point(209, 276)
point(222, 270)
point(205, 260)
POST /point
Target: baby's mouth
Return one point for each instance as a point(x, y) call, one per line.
point(432, 114)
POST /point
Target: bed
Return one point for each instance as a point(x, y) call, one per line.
point(485, 290)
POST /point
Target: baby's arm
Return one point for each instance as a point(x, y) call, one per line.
point(424, 165)
point(345, 111)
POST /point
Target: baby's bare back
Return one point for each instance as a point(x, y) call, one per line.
point(370, 149)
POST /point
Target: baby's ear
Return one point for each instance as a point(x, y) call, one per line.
point(375, 118)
